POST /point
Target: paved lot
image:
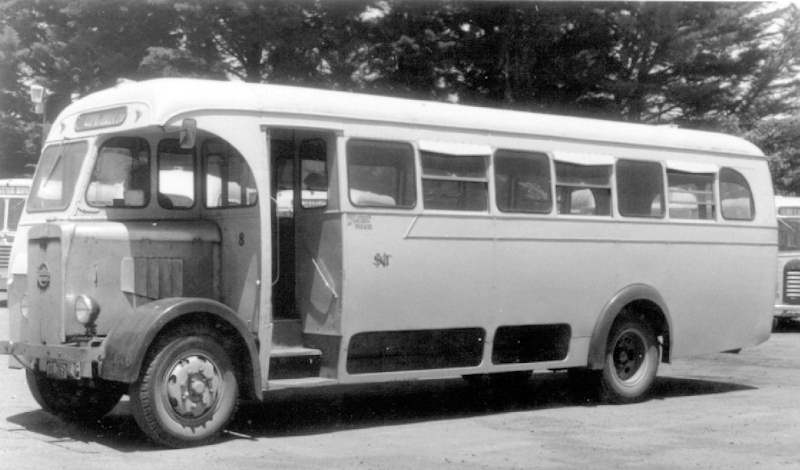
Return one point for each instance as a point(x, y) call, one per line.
point(719, 411)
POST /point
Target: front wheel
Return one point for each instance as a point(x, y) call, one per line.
point(73, 400)
point(631, 362)
point(188, 390)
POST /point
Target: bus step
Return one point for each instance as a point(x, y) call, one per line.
point(287, 332)
point(294, 362)
point(301, 383)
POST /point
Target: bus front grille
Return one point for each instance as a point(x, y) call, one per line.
point(791, 284)
point(5, 253)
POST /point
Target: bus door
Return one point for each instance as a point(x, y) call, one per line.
point(300, 161)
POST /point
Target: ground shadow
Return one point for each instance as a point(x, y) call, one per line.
point(324, 411)
point(786, 325)
point(117, 430)
point(333, 409)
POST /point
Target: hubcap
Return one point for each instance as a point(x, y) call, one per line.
point(193, 386)
point(629, 352)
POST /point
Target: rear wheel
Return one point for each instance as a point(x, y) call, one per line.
point(73, 400)
point(188, 390)
point(631, 362)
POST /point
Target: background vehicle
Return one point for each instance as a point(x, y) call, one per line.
point(13, 192)
point(424, 240)
point(787, 300)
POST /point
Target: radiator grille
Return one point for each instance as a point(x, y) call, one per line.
point(5, 253)
point(791, 285)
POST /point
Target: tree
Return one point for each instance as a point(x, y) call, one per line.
point(69, 47)
point(280, 41)
point(722, 66)
point(697, 64)
point(780, 139)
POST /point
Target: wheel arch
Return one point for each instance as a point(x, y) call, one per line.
point(646, 302)
point(129, 341)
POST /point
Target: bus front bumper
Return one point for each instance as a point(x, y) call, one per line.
point(786, 311)
point(59, 362)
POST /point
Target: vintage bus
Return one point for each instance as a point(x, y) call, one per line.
point(13, 192)
point(787, 299)
point(191, 243)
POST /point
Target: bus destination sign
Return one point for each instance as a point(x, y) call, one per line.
point(100, 119)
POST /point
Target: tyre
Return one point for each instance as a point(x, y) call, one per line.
point(187, 391)
point(631, 362)
point(73, 400)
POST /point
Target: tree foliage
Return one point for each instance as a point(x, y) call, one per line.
point(722, 66)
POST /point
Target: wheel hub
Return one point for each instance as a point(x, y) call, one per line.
point(193, 386)
point(629, 354)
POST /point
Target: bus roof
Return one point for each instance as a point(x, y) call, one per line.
point(166, 101)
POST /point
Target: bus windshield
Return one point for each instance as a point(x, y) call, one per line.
point(788, 234)
point(56, 176)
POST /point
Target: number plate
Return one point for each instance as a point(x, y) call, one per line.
point(61, 369)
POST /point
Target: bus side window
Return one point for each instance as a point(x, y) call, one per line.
point(583, 189)
point(691, 195)
point(736, 199)
point(522, 181)
point(381, 174)
point(454, 182)
point(313, 173)
point(640, 188)
point(175, 175)
point(229, 181)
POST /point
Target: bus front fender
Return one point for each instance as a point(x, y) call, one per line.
point(129, 341)
point(610, 311)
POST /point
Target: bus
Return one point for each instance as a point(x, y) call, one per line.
point(192, 243)
point(787, 299)
point(13, 192)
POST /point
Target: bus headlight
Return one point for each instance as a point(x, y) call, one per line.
point(86, 309)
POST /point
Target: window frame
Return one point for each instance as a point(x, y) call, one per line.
point(65, 202)
point(661, 186)
point(714, 198)
point(532, 155)
point(414, 193)
point(301, 161)
point(204, 174)
point(749, 194)
point(485, 180)
point(148, 193)
point(610, 186)
point(193, 154)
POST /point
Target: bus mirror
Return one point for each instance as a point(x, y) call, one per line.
point(188, 133)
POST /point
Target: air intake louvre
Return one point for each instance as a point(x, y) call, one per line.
point(5, 253)
point(791, 283)
point(157, 278)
